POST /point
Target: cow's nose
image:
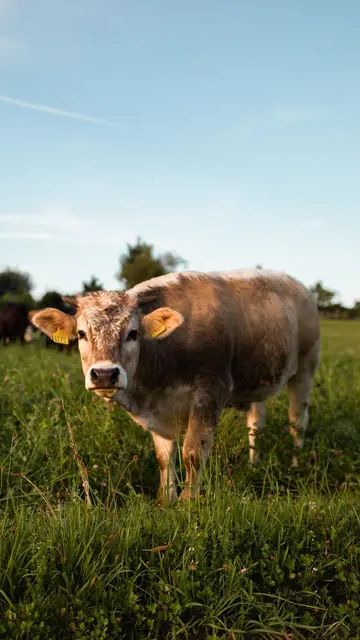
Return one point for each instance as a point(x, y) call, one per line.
point(103, 378)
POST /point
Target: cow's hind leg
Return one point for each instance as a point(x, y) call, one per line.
point(196, 449)
point(165, 452)
point(255, 421)
point(203, 418)
point(300, 387)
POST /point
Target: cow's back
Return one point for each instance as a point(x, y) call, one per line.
point(275, 323)
point(250, 324)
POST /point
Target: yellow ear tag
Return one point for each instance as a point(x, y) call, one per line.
point(60, 337)
point(158, 331)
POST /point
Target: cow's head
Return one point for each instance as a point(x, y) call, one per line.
point(109, 326)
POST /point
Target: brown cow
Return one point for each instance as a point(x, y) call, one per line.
point(181, 347)
point(13, 322)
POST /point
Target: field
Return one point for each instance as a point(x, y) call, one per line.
point(271, 552)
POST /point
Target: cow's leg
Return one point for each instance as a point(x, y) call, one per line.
point(197, 446)
point(300, 387)
point(204, 414)
point(165, 452)
point(255, 421)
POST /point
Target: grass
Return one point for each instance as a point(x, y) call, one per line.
point(267, 553)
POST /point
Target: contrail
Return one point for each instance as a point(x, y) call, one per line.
point(54, 111)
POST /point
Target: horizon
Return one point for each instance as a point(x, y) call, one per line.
point(80, 292)
point(229, 136)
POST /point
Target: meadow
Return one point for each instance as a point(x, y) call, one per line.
point(265, 553)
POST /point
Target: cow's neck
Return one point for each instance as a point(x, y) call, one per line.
point(157, 366)
point(135, 397)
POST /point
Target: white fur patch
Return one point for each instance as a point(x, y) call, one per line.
point(247, 274)
point(160, 281)
point(173, 278)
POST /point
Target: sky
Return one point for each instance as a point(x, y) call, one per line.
point(227, 132)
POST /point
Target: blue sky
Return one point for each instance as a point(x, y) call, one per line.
point(227, 132)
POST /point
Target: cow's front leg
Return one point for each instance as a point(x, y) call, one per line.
point(255, 421)
point(165, 453)
point(204, 414)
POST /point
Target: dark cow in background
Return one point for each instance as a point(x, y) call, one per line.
point(13, 322)
point(175, 350)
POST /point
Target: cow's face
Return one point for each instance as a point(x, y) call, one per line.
point(109, 327)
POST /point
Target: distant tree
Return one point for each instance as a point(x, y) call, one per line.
point(15, 282)
point(92, 285)
point(324, 297)
point(355, 310)
point(139, 263)
point(52, 299)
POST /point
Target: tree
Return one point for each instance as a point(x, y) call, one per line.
point(14, 282)
point(355, 310)
point(52, 299)
point(324, 297)
point(92, 285)
point(139, 263)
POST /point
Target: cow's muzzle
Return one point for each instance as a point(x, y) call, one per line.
point(104, 378)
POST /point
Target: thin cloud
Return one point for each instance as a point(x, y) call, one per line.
point(4, 6)
point(20, 235)
point(294, 116)
point(312, 224)
point(280, 118)
point(10, 49)
point(56, 224)
point(53, 111)
point(97, 238)
point(55, 217)
point(8, 45)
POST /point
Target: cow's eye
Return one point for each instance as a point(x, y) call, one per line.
point(132, 335)
point(81, 334)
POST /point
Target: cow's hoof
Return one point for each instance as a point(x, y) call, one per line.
point(189, 493)
point(166, 498)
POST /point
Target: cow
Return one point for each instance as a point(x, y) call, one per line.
point(177, 349)
point(13, 322)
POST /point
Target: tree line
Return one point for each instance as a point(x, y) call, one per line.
point(141, 262)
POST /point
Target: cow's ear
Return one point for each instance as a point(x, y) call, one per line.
point(161, 323)
point(59, 326)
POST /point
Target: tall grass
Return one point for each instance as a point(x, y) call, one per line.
point(270, 552)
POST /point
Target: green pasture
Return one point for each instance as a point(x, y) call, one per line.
point(271, 552)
